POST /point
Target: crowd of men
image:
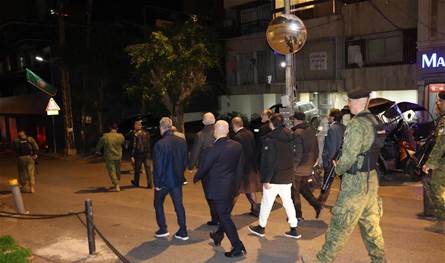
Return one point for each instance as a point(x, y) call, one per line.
point(277, 162)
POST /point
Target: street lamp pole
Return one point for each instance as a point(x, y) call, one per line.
point(289, 69)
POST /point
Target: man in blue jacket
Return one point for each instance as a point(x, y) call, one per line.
point(170, 160)
point(221, 170)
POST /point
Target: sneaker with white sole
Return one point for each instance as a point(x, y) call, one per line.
point(293, 233)
point(182, 236)
point(257, 230)
point(161, 233)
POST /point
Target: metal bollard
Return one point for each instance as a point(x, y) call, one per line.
point(15, 189)
point(90, 227)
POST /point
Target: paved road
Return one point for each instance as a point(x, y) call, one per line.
point(127, 219)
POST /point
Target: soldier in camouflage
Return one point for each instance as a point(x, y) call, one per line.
point(26, 149)
point(436, 164)
point(358, 201)
point(111, 144)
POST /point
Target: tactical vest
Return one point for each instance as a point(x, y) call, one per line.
point(24, 147)
point(370, 157)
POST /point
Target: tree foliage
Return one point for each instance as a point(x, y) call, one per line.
point(173, 64)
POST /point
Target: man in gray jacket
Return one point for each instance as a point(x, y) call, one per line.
point(203, 139)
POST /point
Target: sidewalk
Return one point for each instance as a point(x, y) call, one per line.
point(127, 219)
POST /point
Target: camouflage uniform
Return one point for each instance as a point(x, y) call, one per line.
point(26, 149)
point(111, 143)
point(436, 162)
point(358, 200)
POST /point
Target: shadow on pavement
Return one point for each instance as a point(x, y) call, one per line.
point(219, 256)
point(96, 190)
point(155, 247)
point(311, 229)
point(278, 249)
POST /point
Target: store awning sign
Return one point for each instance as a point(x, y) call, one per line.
point(52, 108)
point(431, 61)
point(39, 83)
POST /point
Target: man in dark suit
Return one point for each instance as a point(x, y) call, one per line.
point(170, 160)
point(250, 181)
point(220, 171)
point(202, 141)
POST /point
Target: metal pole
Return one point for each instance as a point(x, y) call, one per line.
point(289, 69)
point(90, 227)
point(54, 134)
point(18, 200)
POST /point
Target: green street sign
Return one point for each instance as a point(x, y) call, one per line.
point(39, 83)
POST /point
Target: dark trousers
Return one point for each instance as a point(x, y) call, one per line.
point(300, 186)
point(176, 196)
point(223, 210)
point(213, 215)
point(139, 160)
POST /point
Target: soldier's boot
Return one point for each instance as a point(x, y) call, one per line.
point(27, 188)
point(439, 227)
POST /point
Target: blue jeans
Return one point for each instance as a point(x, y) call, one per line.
point(176, 196)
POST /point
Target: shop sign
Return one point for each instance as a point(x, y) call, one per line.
point(431, 61)
point(436, 87)
point(318, 61)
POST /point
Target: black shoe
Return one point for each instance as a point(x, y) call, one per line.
point(161, 233)
point(212, 223)
point(424, 216)
point(257, 230)
point(293, 233)
point(134, 183)
point(217, 238)
point(236, 252)
point(254, 213)
point(299, 219)
point(182, 235)
point(318, 211)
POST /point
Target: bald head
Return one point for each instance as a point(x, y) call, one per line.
point(237, 123)
point(208, 118)
point(221, 129)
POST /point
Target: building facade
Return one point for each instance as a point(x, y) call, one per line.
point(351, 43)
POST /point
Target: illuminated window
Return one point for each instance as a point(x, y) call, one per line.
point(280, 4)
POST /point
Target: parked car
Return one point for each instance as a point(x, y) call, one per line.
point(309, 109)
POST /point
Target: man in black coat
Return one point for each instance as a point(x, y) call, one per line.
point(277, 173)
point(306, 146)
point(203, 139)
point(220, 171)
point(170, 160)
point(250, 181)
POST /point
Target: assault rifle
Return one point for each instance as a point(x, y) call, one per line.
point(328, 180)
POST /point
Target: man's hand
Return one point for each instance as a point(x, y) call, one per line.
point(425, 168)
point(158, 189)
point(267, 186)
point(132, 159)
point(334, 163)
point(34, 157)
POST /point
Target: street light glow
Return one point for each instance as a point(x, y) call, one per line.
point(283, 64)
point(39, 58)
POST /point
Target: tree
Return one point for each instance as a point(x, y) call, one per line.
point(173, 64)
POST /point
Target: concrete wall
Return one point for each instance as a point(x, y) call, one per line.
point(430, 30)
point(232, 3)
point(248, 104)
point(398, 77)
point(362, 18)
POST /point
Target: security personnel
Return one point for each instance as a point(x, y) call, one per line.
point(436, 163)
point(111, 144)
point(358, 200)
point(26, 150)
